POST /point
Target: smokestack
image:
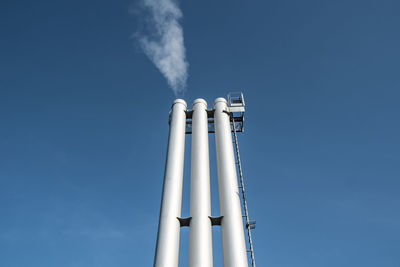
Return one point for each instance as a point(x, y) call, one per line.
point(200, 240)
point(167, 249)
point(225, 118)
point(233, 243)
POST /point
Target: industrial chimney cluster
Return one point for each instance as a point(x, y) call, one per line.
point(199, 122)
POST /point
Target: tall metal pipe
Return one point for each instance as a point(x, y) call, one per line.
point(233, 241)
point(167, 248)
point(200, 239)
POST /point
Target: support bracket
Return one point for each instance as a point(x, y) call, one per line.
point(184, 222)
point(216, 220)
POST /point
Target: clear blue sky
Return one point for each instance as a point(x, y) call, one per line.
point(83, 129)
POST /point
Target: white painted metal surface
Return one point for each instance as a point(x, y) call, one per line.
point(233, 241)
point(167, 248)
point(200, 239)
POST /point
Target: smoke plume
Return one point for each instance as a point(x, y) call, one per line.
point(163, 43)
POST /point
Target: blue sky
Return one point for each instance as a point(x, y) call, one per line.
point(84, 129)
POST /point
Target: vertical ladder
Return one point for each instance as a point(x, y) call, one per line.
point(250, 224)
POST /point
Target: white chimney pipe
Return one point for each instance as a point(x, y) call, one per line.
point(167, 248)
point(200, 240)
point(233, 242)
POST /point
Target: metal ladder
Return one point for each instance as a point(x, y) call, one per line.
point(250, 224)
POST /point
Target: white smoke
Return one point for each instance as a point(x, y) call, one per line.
point(164, 44)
